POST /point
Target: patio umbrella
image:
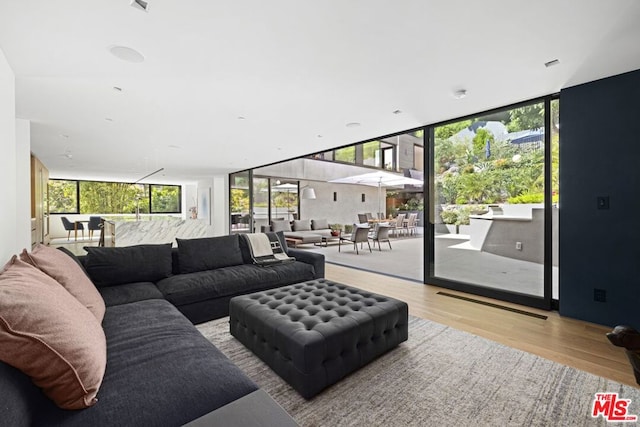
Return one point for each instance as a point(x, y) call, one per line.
point(379, 179)
point(286, 188)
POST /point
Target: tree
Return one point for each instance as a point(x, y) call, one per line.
point(63, 196)
point(447, 131)
point(113, 197)
point(165, 198)
point(527, 117)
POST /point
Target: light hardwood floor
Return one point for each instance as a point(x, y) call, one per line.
point(575, 343)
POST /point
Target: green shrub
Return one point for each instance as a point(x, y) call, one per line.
point(527, 198)
point(463, 215)
point(449, 216)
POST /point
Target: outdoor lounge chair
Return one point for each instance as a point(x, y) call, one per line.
point(381, 234)
point(360, 234)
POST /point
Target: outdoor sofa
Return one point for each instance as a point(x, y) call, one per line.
point(301, 231)
point(144, 362)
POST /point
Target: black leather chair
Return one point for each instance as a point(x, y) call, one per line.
point(629, 339)
point(71, 226)
point(95, 223)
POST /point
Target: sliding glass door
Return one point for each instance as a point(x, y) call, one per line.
point(491, 204)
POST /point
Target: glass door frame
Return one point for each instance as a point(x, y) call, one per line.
point(545, 302)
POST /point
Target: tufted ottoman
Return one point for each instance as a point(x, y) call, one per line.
point(315, 333)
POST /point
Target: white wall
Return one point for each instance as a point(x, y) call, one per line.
point(346, 208)
point(189, 199)
point(23, 182)
point(220, 205)
point(218, 188)
point(8, 162)
point(205, 185)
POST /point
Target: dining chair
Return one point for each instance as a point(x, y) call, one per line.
point(398, 224)
point(71, 226)
point(410, 226)
point(360, 234)
point(94, 224)
point(362, 219)
point(381, 234)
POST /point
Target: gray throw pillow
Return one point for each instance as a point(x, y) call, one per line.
point(319, 224)
point(280, 225)
point(301, 225)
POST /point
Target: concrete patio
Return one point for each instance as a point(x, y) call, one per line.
point(455, 259)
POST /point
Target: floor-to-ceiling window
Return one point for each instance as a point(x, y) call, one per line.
point(240, 202)
point(491, 192)
point(492, 203)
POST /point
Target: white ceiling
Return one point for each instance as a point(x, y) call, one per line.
point(293, 69)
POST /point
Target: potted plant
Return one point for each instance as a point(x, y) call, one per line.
point(335, 229)
point(348, 228)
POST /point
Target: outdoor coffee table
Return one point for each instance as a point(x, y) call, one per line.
point(315, 333)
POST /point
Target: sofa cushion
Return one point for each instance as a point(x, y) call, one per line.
point(319, 224)
point(69, 274)
point(161, 371)
point(140, 263)
point(301, 225)
point(50, 336)
point(194, 287)
point(280, 225)
point(209, 253)
point(305, 236)
point(130, 292)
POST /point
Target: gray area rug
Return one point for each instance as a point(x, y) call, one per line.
point(440, 377)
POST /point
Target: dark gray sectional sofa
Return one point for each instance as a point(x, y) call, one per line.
point(160, 370)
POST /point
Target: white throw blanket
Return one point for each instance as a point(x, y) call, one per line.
point(266, 249)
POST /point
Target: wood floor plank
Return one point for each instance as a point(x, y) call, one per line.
point(581, 345)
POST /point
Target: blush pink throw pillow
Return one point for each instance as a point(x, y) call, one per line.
point(68, 273)
point(50, 336)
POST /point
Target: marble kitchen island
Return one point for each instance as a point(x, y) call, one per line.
point(152, 231)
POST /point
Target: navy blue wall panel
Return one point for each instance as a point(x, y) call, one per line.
point(600, 156)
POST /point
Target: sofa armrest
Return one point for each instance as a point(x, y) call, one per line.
point(253, 410)
point(315, 259)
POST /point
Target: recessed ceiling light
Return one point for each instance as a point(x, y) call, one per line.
point(126, 53)
point(140, 5)
point(109, 119)
point(397, 111)
point(353, 125)
point(241, 118)
point(551, 63)
point(459, 94)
